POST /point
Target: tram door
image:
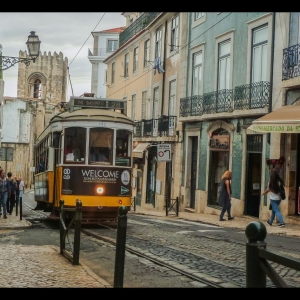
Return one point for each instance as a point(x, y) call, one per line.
point(253, 175)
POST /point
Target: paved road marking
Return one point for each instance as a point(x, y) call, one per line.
point(183, 223)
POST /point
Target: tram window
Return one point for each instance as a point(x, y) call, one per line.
point(100, 146)
point(75, 140)
point(122, 151)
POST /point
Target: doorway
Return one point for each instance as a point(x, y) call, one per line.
point(193, 170)
point(253, 175)
point(151, 179)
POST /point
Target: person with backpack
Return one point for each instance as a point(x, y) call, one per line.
point(275, 197)
point(12, 198)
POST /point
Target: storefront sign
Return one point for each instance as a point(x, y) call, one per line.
point(276, 128)
point(96, 181)
point(219, 143)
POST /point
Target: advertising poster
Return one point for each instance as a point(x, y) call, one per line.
point(102, 181)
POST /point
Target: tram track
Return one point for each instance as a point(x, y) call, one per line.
point(156, 260)
point(168, 257)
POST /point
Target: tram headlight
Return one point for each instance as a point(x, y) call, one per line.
point(100, 190)
point(120, 201)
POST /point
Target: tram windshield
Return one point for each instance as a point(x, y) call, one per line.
point(95, 146)
point(75, 141)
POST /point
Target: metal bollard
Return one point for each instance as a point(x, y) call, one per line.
point(167, 205)
point(61, 226)
point(256, 233)
point(21, 207)
point(78, 218)
point(120, 247)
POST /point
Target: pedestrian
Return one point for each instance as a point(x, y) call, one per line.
point(0, 201)
point(17, 189)
point(225, 195)
point(12, 198)
point(275, 198)
point(4, 192)
point(21, 190)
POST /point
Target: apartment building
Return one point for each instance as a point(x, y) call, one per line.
point(282, 123)
point(105, 43)
point(240, 73)
point(145, 70)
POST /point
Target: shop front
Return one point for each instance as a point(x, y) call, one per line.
point(283, 125)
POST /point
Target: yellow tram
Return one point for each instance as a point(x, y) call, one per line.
point(85, 153)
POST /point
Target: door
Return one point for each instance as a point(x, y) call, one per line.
point(193, 170)
point(253, 175)
point(151, 179)
point(219, 162)
point(139, 188)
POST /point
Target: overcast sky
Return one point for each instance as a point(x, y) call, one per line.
point(69, 33)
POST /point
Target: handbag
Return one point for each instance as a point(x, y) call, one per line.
point(270, 206)
point(281, 191)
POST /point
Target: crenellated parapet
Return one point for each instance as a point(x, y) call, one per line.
point(51, 70)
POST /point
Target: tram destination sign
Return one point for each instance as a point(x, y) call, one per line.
point(89, 102)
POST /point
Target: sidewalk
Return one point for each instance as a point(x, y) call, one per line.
point(238, 222)
point(40, 266)
point(44, 266)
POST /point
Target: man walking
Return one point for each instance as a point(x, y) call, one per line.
point(12, 198)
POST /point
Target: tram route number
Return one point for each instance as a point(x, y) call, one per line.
point(164, 152)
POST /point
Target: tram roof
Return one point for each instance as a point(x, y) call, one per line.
point(95, 114)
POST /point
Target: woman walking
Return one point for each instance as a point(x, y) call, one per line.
point(225, 195)
point(273, 188)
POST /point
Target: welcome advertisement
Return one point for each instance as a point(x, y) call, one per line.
point(101, 181)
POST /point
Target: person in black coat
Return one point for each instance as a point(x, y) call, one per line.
point(225, 195)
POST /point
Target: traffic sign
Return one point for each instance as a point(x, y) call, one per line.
point(164, 152)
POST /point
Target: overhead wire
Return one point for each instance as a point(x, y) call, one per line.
point(178, 52)
point(68, 68)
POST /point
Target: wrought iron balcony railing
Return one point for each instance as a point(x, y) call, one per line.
point(164, 126)
point(191, 106)
point(218, 101)
point(248, 96)
point(290, 63)
point(135, 27)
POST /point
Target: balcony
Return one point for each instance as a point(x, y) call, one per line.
point(139, 24)
point(99, 52)
point(290, 63)
point(161, 127)
point(248, 96)
point(251, 96)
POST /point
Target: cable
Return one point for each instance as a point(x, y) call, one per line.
point(178, 52)
point(86, 40)
point(68, 68)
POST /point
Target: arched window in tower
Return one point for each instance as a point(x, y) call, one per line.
point(37, 91)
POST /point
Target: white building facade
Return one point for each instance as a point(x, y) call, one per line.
point(105, 43)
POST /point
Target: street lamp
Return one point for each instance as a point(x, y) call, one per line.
point(33, 46)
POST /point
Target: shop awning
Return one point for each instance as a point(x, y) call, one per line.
point(282, 120)
point(139, 150)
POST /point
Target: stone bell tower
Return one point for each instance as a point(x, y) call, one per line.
point(44, 80)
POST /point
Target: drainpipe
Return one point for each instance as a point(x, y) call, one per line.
point(163, 81)
point(271, 69)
